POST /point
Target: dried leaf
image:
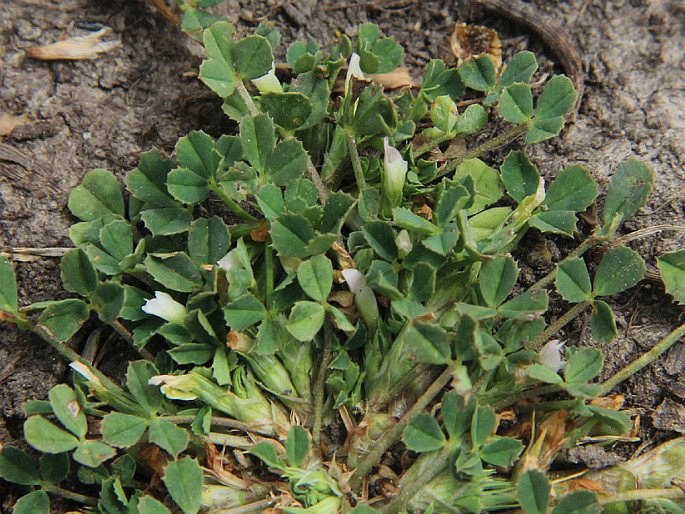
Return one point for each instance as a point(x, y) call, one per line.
point(8, 122)
point(75, 48)
point(474, 40)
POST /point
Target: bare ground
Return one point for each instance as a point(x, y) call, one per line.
point(104, 112)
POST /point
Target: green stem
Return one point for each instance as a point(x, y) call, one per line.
point(558, 324)
point(424, 469)
point(232, 205)
point(392, 435)
point(247, 98)
point(672, 493)
point(269, 272)
point(214, 421)
point(126, 335)
point(320, 384)
point(491, 144)
point(258, 506)
point(316, 178)
point(420, 150)
point(645, 360)
point(68, 495)
point(513, 398)
point(356, 163)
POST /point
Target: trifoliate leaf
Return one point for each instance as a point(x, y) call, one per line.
point(672, 268)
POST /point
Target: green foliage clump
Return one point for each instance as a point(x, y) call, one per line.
point(350, 301)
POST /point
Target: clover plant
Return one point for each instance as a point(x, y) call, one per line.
point(325, 304)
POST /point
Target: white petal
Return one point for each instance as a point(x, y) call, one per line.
point(551, 356)
point(355, 279)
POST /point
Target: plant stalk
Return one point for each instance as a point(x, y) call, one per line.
point(229, 202)
point(558, 324)
point(392, 435)
point(356, 163)
point(512, 398)
point(247, 98)
point(215, 422)
point(320, 385)
point(672, 493)
point(645, 360)
point(126, 335)
point(68, 495)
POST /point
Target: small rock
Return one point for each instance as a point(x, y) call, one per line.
point(669, 416)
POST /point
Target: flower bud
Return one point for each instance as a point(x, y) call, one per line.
point(364, 298)
point(550, 355)
point(404, 244)
point(393, 175)
point(268, 83)
point(353, 70)
point(229, 261)
point(164, 306)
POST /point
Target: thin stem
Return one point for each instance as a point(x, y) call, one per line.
point(258, 506)
point(419, 474)
point(356, 163)
point(491, 144)
point(393, 434)
point(316, 178)
point(672, 493)
point(269, 272)
point(528, 394)
point(247, 98)
point(420, 150)
point(214, 421)
point(232, 205)
point(68, 495)
point(320, 384)
point(126, 335)
point(558, 324)
point(645, 360)
point(580, 250)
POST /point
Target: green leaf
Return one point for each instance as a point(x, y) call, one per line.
point(97, 195)
point(486, 182)
point(8, 287)
point(36, 502)
point(452, 198)
point(628, 190)
point(252, 57)
point(375, 113)
point(543, 374)
point(516, 103)
point(287, 162)
point(315, 277)
point(383, 278)
point(497, 279)
point(92, 453)
point(427, 342)
point(208, 240)
point(583, 365)
point(195, 21)
point(175, 271)
point(615, 422)
point(573, 280)
point(64, 318)
point(620, 269)
point(108, 300)
point(196, 151)
point(542, 129)
point(456, 414)
point(336, 211)
point(377, 54)
point(116, 239)
point(187, 187)
point(267, 454)
point(258, 139)
point(381, 238)
point(404, 218)
point(192, 353)
point(439, 80)
point(603, 322)
point(291, 234)
point(68, 410)
point(444, 113)
point(217, 71)
point(557, 99)
point(672, 268)
point(579, 502)
point(150, 505)
point(183, 479)
point(471, 120)
point(502, 451)
point(528, 305)
point(305, 320)
point(423, 434)
point(520, 176)
point(17, 467)
point(302, 56)
point(520, 68)
point(533, 490)
point(147, 182)
point(167, 220)
point(483, 423)
point(46, 437)
point(555, 222)
point(54, 467)
point(138, 376)
point(77, 272)
point(270, 200)
point(478, 73)
point(289, 110)
point(122, 430)
point(572, 190)
point(423, 282)
point(244, 312)
point(297, 445)
point(168, 436)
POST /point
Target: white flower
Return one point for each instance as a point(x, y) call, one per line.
point(403, 242)
point(353, 70)
point(355, 279)
point(268, 83)
point(364, 297)
point(394, 172)
point(175, 387)
point(229, 261)
point(551, 356)
point(85, 372)
point(164, 306)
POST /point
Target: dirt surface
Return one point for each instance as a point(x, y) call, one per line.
point(104, 112)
